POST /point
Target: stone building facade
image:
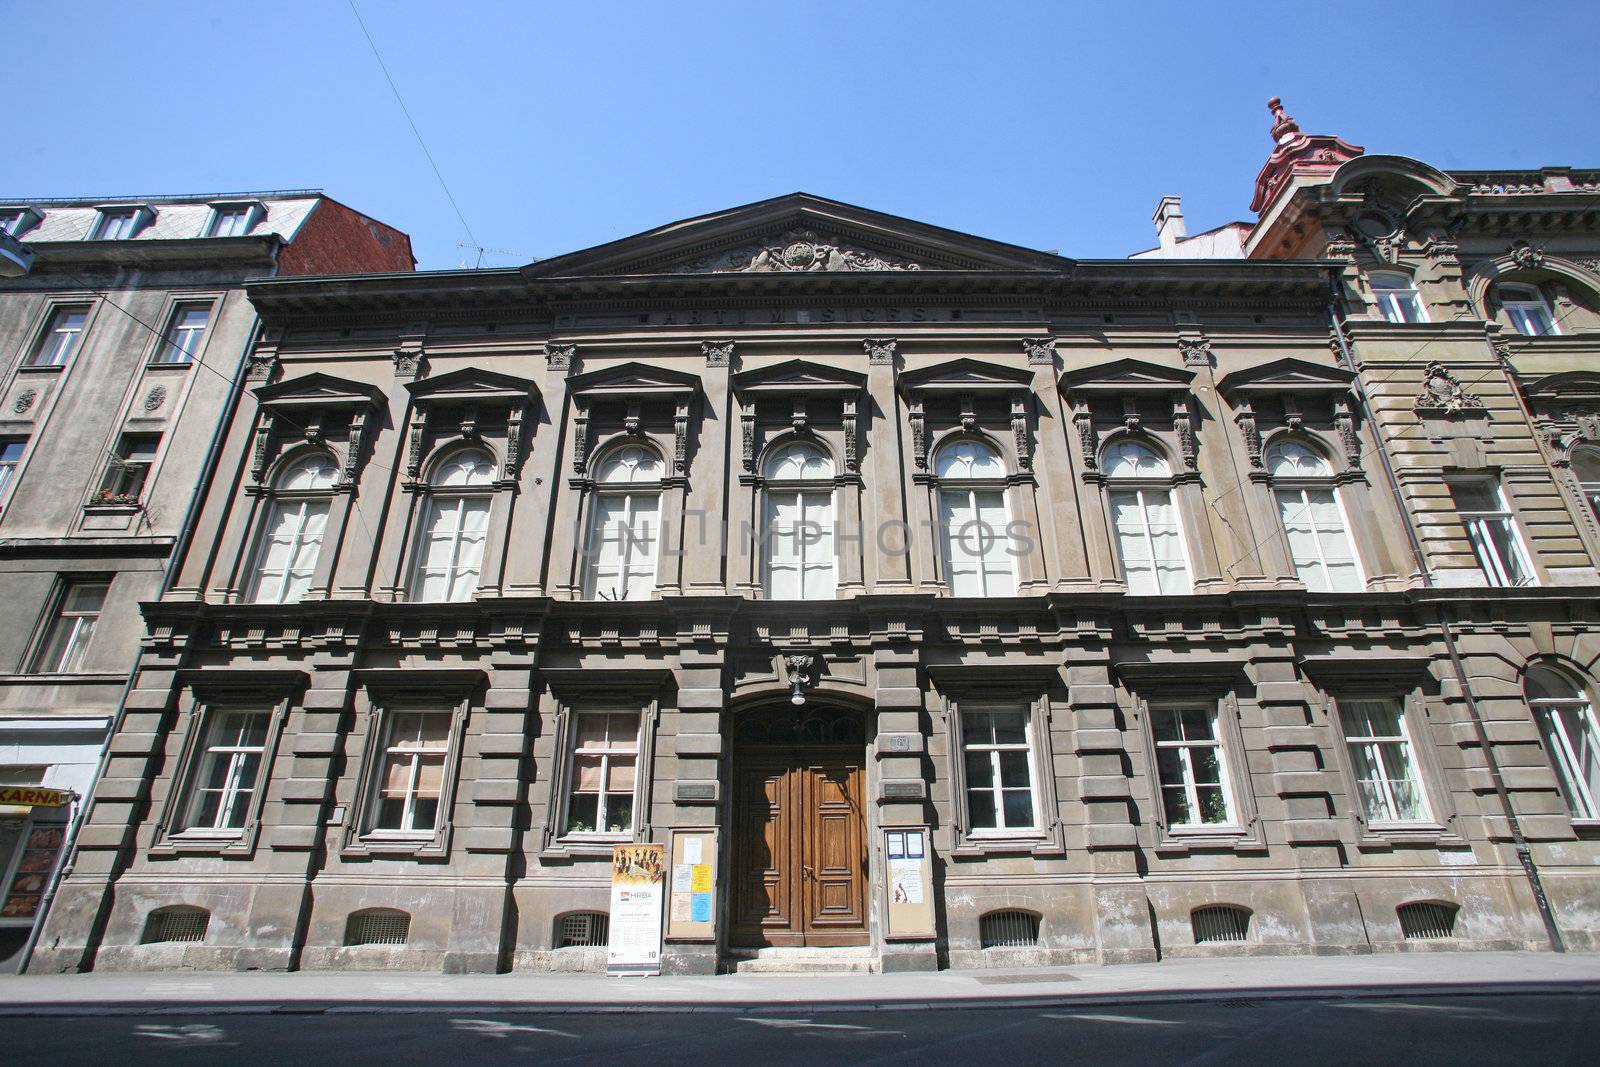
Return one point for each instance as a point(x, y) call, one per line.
point(120, 351)
point(1189, 605)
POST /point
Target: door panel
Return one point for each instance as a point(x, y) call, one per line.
point(799, 848)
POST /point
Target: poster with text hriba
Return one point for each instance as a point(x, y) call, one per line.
point(638, 883)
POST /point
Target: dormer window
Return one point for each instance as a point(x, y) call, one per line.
point(1528, 310)
point(17, 221)
point(121, 223)
point(1397, 297)
point(234, 219)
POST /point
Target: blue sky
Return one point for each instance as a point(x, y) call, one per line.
point(559, 126)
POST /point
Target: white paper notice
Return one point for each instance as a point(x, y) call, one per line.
point(682, 877)
point(905, 881)
point(691, 850)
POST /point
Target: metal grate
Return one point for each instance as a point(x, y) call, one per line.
point(1220, 922)
point(1009, 929)
point(181, 922)
point(377, 926)
point(1427, 921)
point(584, 929)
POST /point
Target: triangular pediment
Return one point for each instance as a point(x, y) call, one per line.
point(472, 384)
point(798, 376)
point(966, 375)
point(632, 379)
point(1287, 376)
point(795, 234)
point(1126, 376)
point(319, 390)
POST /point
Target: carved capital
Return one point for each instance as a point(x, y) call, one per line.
point(560, 356)
point(1041, 351)
point(1197, 351)
point(880, 351)
point(717, 353)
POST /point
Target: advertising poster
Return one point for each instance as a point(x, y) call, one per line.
point(638, 885)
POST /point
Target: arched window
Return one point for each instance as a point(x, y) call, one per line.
point(798, 523)
point(1397, 297)
point(1313, 521)
point(1527, 309)
point(1586, 468)
point(454, 527)
point(1149, 531)
point(291, 540)
point(973, 519)
point(625, 532)
point(1567, 721)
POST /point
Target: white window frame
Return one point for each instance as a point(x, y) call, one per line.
point(1394, 300)
point(629, 492)
point(83, 626)
point(390, 746)
point(249, 212)
point(1376, 745)
point(60, 341)
point(236, 797)
point(9, 468)
point(137, 217)
point(282, 500)
point(1138, 487)
point(1582, 803)
point(1493, 568)
point(1522, 308)
point(1234, 823)
point(575, 751)
point(993, 749)
point(806, 494)
point(438, 498)
point(1304, 486)
point(189, 347)
point(955, 487)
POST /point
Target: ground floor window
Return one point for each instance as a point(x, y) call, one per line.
point(605, 758)
point(411, 778)
point(226, 780)
point(1192, 768)
point(1384, 761)
point(997, 750)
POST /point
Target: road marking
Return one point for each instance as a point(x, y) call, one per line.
point(194, 1034)
point(1136, 1020)
point(496, 1028)
point(807, 1024)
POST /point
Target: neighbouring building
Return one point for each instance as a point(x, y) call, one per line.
point(122, 348)
point(1239, 598)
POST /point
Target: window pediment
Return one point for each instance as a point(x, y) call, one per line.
point(632, 381)
point(1126, 376)
point(472, 385)
point(318, 390)
point(965, 376)
point(1286, 376)
point(798, 377)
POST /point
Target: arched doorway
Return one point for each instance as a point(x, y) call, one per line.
point(799, 852)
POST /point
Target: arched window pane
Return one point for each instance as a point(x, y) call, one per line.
point(466, 468)
point(799, 462)
point(630, 465)
point(308, 474)
point(967, 460)
point(1290, 459)
point(1130, 459)
point(1571, 736)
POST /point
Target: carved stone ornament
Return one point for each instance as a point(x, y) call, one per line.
point(1183, 426)
point(24, 401)
point(1019, 431)
point(796, 251)
point(1088, 440)
point(880, 351)
point(717, 353)
point(1525, 256)
point(1196, 352)
point(580, 435)
point(1041, 351)
point(747, 445)
point(407, 362)
point(919, 436)
point(1246, 418)
point(559, 357)
point(155, 398)
point(1442, 393)
point(261, 367)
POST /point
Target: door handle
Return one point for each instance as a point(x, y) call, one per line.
point(809, 873)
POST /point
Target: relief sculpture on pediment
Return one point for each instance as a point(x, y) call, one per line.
point(796, 251)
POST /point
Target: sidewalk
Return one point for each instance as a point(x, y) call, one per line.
point(1416, 974)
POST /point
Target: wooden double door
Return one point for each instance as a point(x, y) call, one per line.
point(799, 857)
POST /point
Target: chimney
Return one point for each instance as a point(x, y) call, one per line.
point(1169, 221)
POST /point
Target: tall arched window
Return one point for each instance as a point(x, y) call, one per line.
point(1567, 721)
point(1586, 468)
point(973, 519)
point(1149, 530)
point(1527, 309)
point(455, 524)
point(291, 539)
point(1313, 521)
point(798, 523)
point(624, 534)
point(1397, 297)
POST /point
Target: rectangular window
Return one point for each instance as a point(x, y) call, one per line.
point(1192, 768)
point(71, 626)
point(115, 225)
point(1150, 542)
point(1397, 298)
point(622, 546)
point(1493, 531)
point(1318, 541)
point(976, 546)
point(182, 342)
point(799, 544)
point(451, 553)
point(128, 469)
point(60, 338)
point(232, 221)
point(229, 771)
point(999, 771)
point(11, 220)
point(1525, 306)
point(11, 449)
point(1385, 765)
point(290, 548)
point(411, 776)
point(605, 757)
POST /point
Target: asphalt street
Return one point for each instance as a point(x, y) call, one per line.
point(1543, 1027)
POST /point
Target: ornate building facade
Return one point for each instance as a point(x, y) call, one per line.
point(1188, 604)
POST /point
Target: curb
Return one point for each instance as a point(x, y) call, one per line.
point(1237, 998)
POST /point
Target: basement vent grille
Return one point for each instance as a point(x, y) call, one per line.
point(378, 926)
point(182, 922)
point(1009, 929)
point(584, 929)
point(1427, 921)
point(1220, 922)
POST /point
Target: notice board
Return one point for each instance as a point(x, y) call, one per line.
point(692, 892)
point(908, 867)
